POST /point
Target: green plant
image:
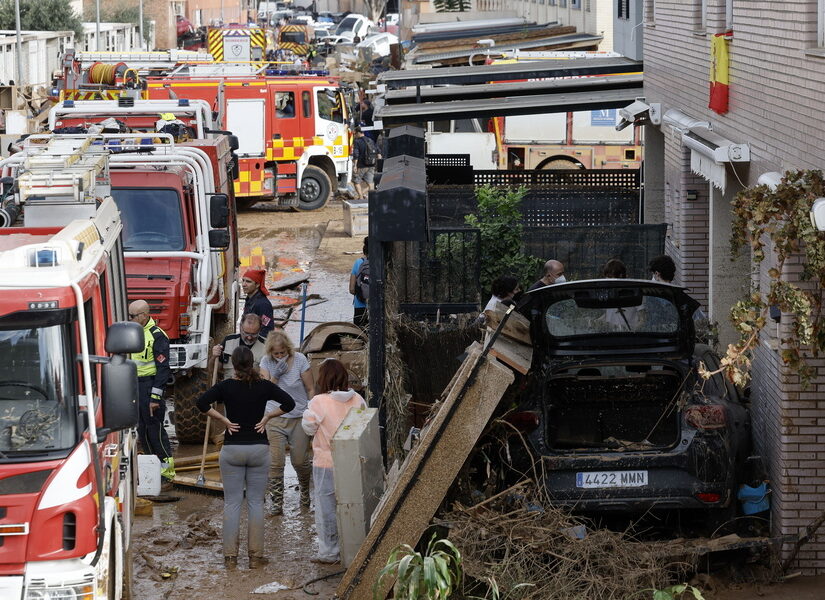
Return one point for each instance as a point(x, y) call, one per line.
point(433, 575)
point(41, 15)
point(502, 250)
point(494, 593)
point(780, 217)
point(675, 592)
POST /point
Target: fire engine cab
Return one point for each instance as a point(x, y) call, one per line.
point(293, 134)
point(68, 393)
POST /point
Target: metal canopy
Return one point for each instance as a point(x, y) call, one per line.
point(510, 72)
point(520, 88)
point(556, 42)
point(500, 107)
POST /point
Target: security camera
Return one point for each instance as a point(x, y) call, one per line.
point(623, 124)
point(634, 111)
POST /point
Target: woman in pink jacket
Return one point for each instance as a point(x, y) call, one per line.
point(321, 419)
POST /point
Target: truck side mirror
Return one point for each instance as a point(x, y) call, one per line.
point(120, 394)
point(234, 144)
point(218, 239)
point(124, 337)
point(219, 210)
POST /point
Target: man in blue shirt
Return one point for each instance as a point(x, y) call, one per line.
point(356, 288)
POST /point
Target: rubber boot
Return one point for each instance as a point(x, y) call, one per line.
point(303, 485)
point(276, 495)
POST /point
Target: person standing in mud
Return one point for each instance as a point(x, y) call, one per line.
point(244, 458)
point(291, 371)
point(359, 281)
point(321, 419)
point(256, 299)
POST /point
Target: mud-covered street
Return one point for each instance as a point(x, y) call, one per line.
point(178, 552)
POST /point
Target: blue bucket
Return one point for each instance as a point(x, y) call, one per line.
point(754, 499)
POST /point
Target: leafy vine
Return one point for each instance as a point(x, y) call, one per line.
point(782, 218)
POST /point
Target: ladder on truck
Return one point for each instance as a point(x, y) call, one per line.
point(140, 60)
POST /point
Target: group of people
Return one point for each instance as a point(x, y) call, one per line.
point(270, 399)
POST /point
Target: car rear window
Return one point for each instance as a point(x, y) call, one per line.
point(646, 314)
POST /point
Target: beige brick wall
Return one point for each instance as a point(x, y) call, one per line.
point(775, 106)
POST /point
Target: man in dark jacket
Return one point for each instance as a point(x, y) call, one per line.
point(364, 158)
point(256, 299)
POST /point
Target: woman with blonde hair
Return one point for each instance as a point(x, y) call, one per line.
point(323, 416)
point(281, 364)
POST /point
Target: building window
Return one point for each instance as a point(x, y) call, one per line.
point(577, 4)
point(587, 5)
point(623, 9)
point(562, 3)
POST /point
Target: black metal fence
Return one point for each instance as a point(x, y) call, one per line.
point(562, 178)
point(542, 206)
point(584, 250)
point(441, 274)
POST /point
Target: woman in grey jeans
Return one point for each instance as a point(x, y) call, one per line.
point(281, 364)
point(244, 458)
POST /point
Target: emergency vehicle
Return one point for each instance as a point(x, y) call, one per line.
point(180, 241)
point(236, 43)
point(293, 134)
point(68, 393)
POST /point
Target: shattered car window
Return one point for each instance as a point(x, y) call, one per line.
point(567, 318)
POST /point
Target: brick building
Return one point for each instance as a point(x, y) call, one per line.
point(697, 160)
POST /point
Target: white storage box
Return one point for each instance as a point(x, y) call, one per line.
point(356, 219)
point(148, 475)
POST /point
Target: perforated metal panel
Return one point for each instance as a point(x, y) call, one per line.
point(562, 178)
point(448, 160)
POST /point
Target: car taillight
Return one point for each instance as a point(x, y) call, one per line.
point(269, 180)
point(185, 321)
point(525, 421)
point(709, 497)
point(706, 416)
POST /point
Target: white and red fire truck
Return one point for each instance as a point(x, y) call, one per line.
point(68, 394)
point(179, 240)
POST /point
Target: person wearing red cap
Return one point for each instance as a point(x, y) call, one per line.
point(256, 299)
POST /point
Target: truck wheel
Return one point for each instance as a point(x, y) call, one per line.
point(245, 203)
point(315, 189)
point(189, 421)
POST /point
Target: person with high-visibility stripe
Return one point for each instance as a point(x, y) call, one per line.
point(153, 372)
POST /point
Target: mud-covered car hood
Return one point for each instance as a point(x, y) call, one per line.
point(606, 317)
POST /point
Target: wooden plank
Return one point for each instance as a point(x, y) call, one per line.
point(516, 327)
point(429, 471)
point(517, 355)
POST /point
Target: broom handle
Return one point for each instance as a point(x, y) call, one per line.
point(208, 419)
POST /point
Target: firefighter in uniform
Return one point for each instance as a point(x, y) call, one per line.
point(256, 299)
point(153, 373)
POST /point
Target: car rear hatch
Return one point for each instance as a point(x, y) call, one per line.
point(617, 375)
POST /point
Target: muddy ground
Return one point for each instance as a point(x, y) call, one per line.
point(178, 554)
point(182, 539)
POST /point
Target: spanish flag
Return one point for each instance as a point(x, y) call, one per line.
point(719, 80)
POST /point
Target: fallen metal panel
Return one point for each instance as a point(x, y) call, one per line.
point(430, 469)
point(510, 72)
point(478, 32)
point(514, 89)
point(556, 42)
point(500, 107)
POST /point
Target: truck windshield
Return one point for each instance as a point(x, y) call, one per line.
point(152, 219)
point(37, 411)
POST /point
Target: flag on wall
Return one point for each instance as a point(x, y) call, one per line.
point(719, 79)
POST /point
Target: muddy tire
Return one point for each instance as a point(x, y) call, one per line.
point(189, 421)
point(315, 189)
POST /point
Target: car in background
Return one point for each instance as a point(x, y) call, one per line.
point(391, 22)
point(184, 26)
point(378, 43)
point(623, 420)
point(354, 25)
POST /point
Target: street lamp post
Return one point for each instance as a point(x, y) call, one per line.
point(97, 25)
point(140, 23)
point(19, 44)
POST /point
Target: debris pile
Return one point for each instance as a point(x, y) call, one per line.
point(518, 537)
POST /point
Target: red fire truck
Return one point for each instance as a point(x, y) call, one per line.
point(67, 411)
point(180, 243)
point(294, 140)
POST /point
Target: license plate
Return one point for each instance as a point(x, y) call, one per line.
point(611, 479)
